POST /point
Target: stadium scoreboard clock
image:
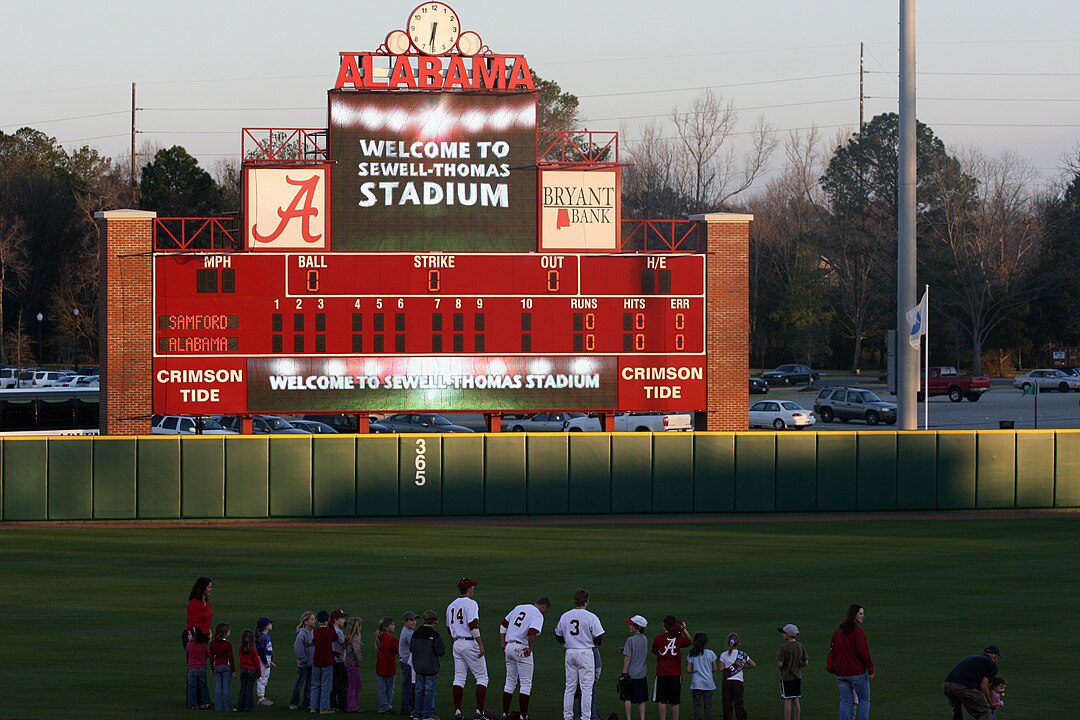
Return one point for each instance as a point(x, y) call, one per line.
point(429, 260)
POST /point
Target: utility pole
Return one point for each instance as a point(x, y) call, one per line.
point(133, 198)
point(907, 357)
point(862, 72)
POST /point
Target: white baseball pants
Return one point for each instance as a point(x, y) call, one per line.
point(580, 674)
point(519, 668)
point(467, 659)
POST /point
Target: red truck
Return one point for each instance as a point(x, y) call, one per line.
point(946, 381)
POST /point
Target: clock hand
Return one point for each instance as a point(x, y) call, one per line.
point(433, 27)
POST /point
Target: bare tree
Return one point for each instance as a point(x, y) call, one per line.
point(14, 266)
point(714, 172)
point(985, 243)
point(20, 346)
point(650, 185)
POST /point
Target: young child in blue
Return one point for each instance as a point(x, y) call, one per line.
point(701, 664)
point(265, 647)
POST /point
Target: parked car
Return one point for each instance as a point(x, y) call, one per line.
point(87, 370)
point(88, 381)
point(791, 375)
point(422, 423)
point(541, 422)
point(9, 378)
point(634, 422)
point(346, 423)
point(1047, 380)
point(263, 425)
point(758, 386)
point(50, 378)
point(185, 425)
point(845, 404)
point(71, 381)
point(947, 381)
point(313, 426)
point(780, 415)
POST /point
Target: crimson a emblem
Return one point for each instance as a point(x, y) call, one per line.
point(286, 208)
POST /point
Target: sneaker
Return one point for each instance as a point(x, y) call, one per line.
point(292, 707)
point(263, 702)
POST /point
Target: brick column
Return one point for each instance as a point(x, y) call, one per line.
point(125, 320)
point(727, 337)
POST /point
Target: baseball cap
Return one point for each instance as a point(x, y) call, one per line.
point(409, 615)
point(992, 650)
point(639, 621)
point(789, 629)
point(465, 583)
point(323, 616)
point(263, 622)
point(337, 613)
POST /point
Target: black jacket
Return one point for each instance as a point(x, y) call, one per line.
point(427, 647)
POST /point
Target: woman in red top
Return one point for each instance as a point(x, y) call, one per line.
point(250, 669)
point(199, 613)
point(849, 660)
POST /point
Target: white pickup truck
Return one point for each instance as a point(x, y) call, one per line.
point(635, 422)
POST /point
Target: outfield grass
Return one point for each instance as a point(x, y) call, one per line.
point(91, 616)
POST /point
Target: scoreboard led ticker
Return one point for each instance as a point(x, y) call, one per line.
point(348, 331)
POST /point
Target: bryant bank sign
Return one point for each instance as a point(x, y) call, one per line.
point(579, 210)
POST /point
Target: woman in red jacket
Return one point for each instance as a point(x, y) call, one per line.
point(199, 613)
point(849, 660)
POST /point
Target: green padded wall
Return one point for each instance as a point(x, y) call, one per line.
point(290, 476)
point(202, 476)
point(71, 479)
point(333, 476)
point(714, 472)
point(1035, 469)
point(547, 459)
point(462, 474)
point(157, 465)
point(505, 491)
point(420, 474)
point(875, 485)
point(590, 474)
point(376, 475)
point(1067, 469)
point(796, 468)
point(995, 479)
point(673, 472)
point(247, 476)
point(916, 470)
point(114, 478)
point(631, 472)
point(755, 472)
point(837, 470)
point(956, 470)
point(26, 485)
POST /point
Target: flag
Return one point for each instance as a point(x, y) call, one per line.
point(916, 319)
point(1032, 389)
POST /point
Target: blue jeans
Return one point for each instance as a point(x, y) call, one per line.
point(246, 701)
point(424, 707)
point(860, 685)
point(197, 691)
point(301, 694)
point(386, 694)
point(223, 688)
point(322, 680)
point(406, 687)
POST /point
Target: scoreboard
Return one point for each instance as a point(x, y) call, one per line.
point(352, 331)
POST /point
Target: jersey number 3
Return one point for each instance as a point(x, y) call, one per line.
point(576, 627)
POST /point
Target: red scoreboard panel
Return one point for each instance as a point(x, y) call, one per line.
point(357, 332)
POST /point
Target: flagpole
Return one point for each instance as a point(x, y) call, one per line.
point(926, 370)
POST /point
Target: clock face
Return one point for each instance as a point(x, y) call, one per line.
point(433, 28)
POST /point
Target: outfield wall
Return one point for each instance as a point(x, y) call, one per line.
point(166, 478)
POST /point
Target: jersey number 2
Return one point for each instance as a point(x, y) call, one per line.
point(520, 617)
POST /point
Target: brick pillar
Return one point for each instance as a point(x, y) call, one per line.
point(727, 337)
point(125, 320)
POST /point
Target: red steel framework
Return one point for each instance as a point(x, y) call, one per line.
point(262, 146)
point(577, 147)
point(662, 236)
point(184, 234)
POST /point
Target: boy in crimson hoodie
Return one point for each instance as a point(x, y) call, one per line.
point(667, 647)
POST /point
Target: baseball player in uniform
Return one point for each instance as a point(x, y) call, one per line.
point(463, 622)
point(519, 627)
point(580, 631)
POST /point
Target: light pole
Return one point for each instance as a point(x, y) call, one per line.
point(907, 356)
point(40, 317)
point(75, 340)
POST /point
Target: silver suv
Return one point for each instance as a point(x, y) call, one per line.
point(845, 404)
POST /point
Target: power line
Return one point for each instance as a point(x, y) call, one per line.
point(986, 74)
point(726, 85)
point(1012, 125)
point(73, 117)
point(980, 99)
point(229, 109)
point(96, 137)
point(751, 107)
point(693, 55)
point(752, 132)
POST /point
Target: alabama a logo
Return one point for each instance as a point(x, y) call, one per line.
point(286, 208)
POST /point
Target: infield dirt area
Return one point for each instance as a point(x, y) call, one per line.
point(93, 614)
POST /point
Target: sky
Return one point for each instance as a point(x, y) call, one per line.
point(993, 74)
